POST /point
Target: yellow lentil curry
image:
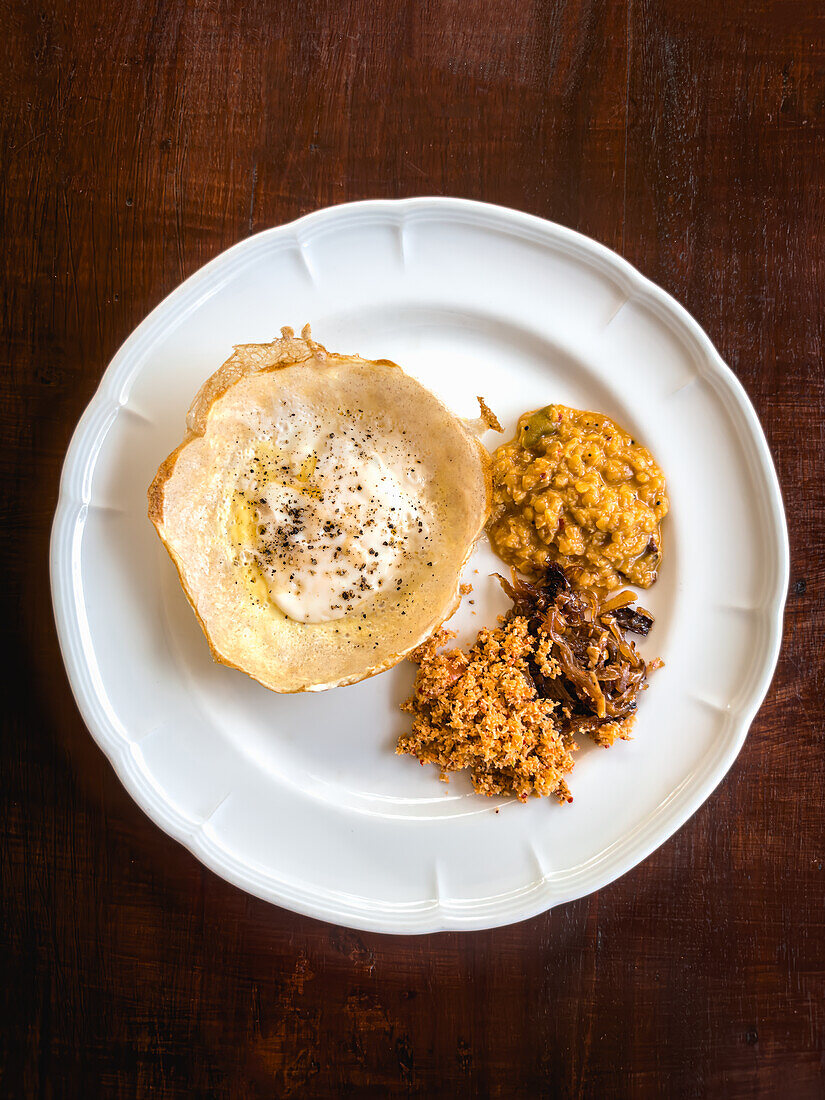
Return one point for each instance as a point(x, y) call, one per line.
point(574, 488)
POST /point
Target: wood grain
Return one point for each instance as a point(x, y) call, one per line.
point(139, 140)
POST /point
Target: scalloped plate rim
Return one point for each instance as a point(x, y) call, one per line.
point(417, 917)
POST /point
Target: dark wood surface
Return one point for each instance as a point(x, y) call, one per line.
point(138, 141)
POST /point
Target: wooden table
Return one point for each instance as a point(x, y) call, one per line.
point(139, 140)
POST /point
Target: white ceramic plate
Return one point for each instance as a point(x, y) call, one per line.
point(301, 799)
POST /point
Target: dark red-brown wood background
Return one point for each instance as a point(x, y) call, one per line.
point(138, 141)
